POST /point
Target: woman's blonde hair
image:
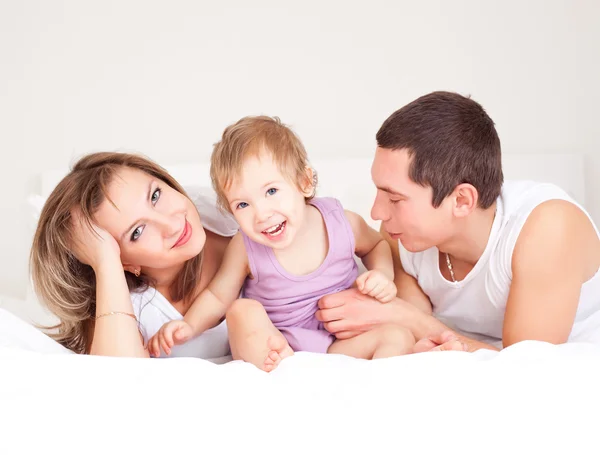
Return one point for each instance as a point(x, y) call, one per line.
point(64, 284)
point(248, 137)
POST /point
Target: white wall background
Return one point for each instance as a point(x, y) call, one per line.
point(165, 77)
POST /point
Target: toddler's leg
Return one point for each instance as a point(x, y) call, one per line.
point(380, 342)
point(253, 337)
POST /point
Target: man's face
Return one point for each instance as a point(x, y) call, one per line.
point(404, 207)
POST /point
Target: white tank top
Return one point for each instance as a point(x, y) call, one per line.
point(153, 310)
point(475, 306)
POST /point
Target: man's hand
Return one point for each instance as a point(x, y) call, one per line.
point(349, 313)
point(444, 341)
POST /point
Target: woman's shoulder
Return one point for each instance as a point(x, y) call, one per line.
point(152, 310)
point(212, 218)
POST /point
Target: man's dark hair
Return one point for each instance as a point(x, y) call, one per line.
point(451, 140)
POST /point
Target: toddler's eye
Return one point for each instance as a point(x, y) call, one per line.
point(271, 191)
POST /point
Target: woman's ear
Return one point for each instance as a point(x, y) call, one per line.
point(309, 182)
point(135, 269)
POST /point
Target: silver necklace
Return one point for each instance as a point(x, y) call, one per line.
point(449, 264)
point(450, 269)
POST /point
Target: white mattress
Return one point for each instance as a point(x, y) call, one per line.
point(425, 403)
point(449, 402)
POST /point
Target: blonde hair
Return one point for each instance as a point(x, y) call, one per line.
point(248, 137)
point(65, 285)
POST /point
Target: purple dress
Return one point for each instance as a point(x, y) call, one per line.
point(292, 300)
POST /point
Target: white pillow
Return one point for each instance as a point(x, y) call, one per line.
point(16, 333)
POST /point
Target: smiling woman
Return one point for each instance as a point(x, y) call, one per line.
point(119, 250)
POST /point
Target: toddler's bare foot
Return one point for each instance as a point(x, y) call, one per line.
point(279, 349)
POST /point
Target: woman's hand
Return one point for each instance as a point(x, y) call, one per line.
point(92, 245)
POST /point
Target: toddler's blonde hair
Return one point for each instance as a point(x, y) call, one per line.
point(250, 136)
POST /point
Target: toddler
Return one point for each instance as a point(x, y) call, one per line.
point(292, 249)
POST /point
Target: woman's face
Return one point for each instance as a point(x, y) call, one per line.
point(156, 227)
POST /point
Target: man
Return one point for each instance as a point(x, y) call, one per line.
point(497, 262)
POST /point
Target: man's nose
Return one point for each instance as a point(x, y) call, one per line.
point(380, 210)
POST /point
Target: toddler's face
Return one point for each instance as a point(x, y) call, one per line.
point(269, 208)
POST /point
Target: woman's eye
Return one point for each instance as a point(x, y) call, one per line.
point(242, 205)
point(136, 234)
point(271, 191)
point(156, 195)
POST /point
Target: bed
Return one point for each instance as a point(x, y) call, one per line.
point(529, 398)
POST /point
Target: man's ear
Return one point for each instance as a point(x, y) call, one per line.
point(309, 182)
point(466, 199)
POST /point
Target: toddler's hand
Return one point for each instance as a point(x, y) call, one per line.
point(170, 334)
point(377, 285)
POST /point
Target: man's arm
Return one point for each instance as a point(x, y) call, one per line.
point(349, 313)
point(556, 252)
point(431, 333)
point(408, 288)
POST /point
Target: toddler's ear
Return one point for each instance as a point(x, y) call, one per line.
point(309, 182)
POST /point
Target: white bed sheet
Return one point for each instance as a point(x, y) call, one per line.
point(313, 403)
point(439, 403)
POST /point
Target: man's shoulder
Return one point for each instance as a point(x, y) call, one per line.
point(516, 192)
point(541, 206)
point(520, 197)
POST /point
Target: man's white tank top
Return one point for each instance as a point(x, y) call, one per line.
point(153, 310)
point(475, 306)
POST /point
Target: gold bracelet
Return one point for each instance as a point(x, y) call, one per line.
point(110, 313)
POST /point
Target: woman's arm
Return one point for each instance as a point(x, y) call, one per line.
point(115, 334)
point(110, 334)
